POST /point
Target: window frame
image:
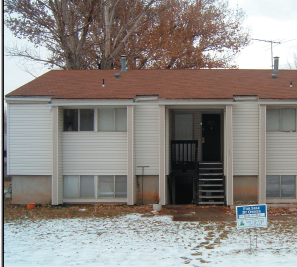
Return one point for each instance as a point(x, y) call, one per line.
point(78, 119)
point(96, 119)
point(280, 187)
point(79, 187)
point(280, 119)
point(114, 187)
point(114, 120)
point(96, 187)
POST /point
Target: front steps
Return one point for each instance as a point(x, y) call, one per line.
point(210, 185)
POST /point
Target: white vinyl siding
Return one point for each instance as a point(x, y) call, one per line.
point(281, 153)
point(102, 153)
point(30, 139)
point(146, 139)
point(246, 139)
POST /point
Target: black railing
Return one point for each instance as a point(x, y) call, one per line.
point(184, 154)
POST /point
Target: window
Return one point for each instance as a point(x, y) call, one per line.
point(112, 186)
point(70, 119)
point(79, 186)
point(83, 186)
point(283, 119)
point(78, 119)
point(112, 120)
point(281, 186)
point(183, 124)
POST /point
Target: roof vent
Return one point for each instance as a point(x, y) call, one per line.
point(276, 62)
point(123, 63)
point(117, 75)
point(273, 75)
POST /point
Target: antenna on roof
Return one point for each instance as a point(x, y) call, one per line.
point(271, 43)
point(271, 46)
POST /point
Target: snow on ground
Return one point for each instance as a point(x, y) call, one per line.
point(133, 240)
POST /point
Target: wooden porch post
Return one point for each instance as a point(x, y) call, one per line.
point(229, 156)
point(262, 157)
point(162, 167)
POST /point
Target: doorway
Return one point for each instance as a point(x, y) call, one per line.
point(211, 137)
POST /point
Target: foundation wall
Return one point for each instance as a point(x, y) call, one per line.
point(150, 189)
point(245, 189)
point(32, 189)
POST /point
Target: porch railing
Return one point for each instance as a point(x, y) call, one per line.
point(184, 154)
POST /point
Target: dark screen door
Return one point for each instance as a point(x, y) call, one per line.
point(211, 141)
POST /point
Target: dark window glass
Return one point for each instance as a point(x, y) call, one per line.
point(288, 186)
point(70, 120)
point(86, 120)
point(273, 186)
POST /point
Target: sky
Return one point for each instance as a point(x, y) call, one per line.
point(270, 20)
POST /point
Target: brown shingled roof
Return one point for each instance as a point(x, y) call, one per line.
point(169, 84)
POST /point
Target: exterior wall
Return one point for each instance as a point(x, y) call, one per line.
point(29, 139)
point(31, 189)
point(94, 153)
point(246, 139)
point(146, 139)
point(245, 189)
point(281, 153)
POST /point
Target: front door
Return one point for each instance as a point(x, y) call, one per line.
point(211, 137)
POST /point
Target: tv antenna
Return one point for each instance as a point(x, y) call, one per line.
point(271, 46)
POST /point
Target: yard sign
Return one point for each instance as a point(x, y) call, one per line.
point(252, 216)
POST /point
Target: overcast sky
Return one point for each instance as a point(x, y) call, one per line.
point(273, 20)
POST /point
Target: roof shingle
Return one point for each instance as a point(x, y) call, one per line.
point(168, 84)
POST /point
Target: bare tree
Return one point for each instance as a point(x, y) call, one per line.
point(292, 65)
point(91, 34)
point(77, 33)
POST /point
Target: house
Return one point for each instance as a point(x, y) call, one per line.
point(97, 136)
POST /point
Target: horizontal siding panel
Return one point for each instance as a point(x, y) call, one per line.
point(100, 153)
point(30, 139)
point(281, 153)
point(146, 139)
point(246, 139)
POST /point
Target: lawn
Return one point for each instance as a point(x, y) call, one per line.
point(109, 235)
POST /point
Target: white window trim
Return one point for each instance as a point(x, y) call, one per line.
point(78, 118)
point(96, 198)
point(114, 120)
point(280, 119)
point(283, 198)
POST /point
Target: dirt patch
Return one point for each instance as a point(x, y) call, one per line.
point(15, 212)
point(222, 213)
point(204, 213)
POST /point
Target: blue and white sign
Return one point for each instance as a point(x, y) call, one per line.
point(252, 216)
